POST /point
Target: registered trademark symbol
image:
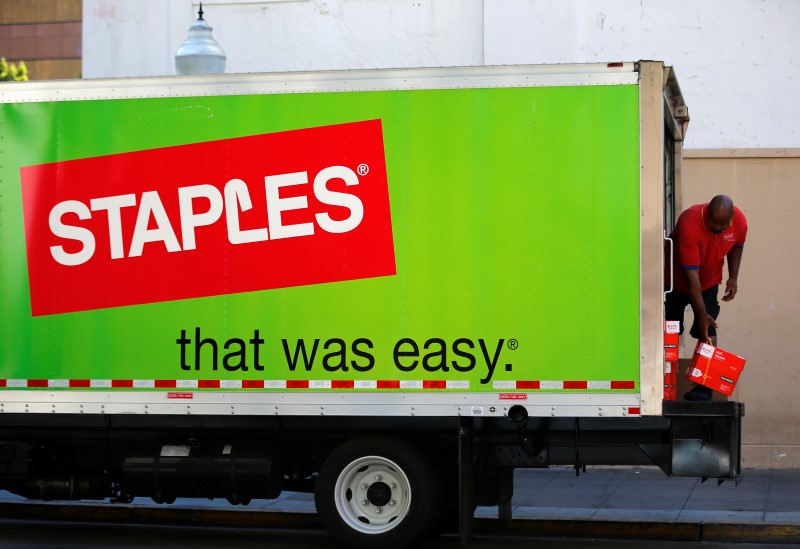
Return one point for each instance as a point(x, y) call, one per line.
point(363, 169)
point(513, 344)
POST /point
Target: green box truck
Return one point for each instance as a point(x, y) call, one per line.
point(389, 287)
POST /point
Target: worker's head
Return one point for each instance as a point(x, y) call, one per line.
point(720, 213)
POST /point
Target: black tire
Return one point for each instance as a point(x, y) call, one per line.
point(378, 492)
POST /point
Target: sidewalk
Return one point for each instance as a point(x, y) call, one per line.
point(765, 504)
point(633, 493)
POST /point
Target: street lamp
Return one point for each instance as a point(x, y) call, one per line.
point(200, 53)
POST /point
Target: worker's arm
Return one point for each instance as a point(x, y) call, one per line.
point(698, 306)
point(731, 287)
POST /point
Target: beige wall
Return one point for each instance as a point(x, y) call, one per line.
point(763, 323)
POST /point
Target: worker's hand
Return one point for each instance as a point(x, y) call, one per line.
point(702, 326)
point(731, 287)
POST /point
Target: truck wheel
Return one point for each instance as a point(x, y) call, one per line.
point(377, 492)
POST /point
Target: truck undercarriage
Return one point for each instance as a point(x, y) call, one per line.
point(451, 463)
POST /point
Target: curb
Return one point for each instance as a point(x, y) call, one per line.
point(721, 532)
point(159, 515)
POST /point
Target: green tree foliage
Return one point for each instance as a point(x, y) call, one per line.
point(10, 71)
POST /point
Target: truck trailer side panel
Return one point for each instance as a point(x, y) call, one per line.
point(454, 248)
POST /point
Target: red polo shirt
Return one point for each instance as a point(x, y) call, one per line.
point(696, 247)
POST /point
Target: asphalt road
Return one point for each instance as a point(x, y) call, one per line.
point(17, 534)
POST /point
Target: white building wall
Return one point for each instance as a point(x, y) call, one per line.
point(124, 38)
point(738, 61)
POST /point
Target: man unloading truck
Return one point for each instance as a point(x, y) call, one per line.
point(704, 236)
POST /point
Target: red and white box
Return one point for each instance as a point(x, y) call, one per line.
point(716, 369)
point(672, 334)
point(670, 380)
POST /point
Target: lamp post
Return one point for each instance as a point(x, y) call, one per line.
point(200, 53)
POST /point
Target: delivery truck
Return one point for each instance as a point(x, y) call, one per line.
point(391, 288)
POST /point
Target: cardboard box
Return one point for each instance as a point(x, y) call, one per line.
point(684, 385)
point(672, 334)
point(670, 381)
point(716, 369)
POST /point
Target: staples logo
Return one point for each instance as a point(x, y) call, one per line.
point(253, 213)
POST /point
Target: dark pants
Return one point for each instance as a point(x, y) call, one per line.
point(676, 303)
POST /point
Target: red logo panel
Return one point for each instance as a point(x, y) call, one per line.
point(253, 213)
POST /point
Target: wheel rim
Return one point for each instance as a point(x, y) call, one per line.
point(373, 495)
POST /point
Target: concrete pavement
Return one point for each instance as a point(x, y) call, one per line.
point(622, 502)
point(613, 493)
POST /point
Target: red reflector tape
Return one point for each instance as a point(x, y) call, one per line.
point(388, 384)
point(208, 384)
point(520, 385)
point(252, 384)
point(165, 383)
point(342, 384)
